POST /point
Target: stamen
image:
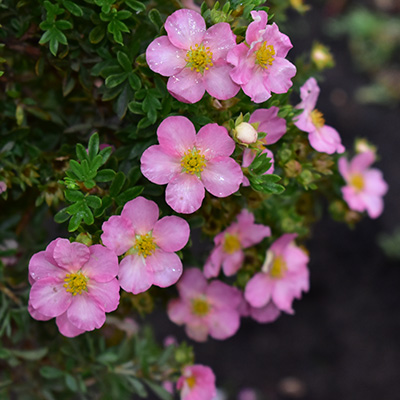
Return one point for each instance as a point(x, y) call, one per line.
point(200, 306)
point(144, 245)
point(264, 55)
point(193, 162)
point(317, 118)
point(76, 283)
point(231, 244)
point(199, 58)
point(357, 181)
point(278, 268)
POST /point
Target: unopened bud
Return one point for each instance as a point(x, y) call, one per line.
point(246, 133)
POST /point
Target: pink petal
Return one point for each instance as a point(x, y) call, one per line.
point(362, 161)
point(179, 311)
point(185, 193)
point(142, 213)
point(243, 71)
point(212, 266)
point(280, 245)
point(254, 234)
point(257, 27)
point(133, 274)
point(166, 267)
point(223, 296)
point(105, 294)
point(326, 139)
point(36, 314)
point(40, 267)
point(232, 262)
point(255, 87)
point(258, 290)
point(270, 123)
point(343, 167)
point(118, 234)
point(49, 297)
point(66, 328)
point(158, 166)
point(71, 256)
point(218, 82)
point(279, 75)
point(102, 265)
point(220, 39)
point(374, 182)
point(171, 233)
point(248, 157)
point(268, 313)
point(187, 86)
point(85, 313)
point(374, 206)
point(223, 324)
point(185, 28)
point(278, 40)
point(283, 297)
point(304, 121)
point(164, 58)
point(353, 199)
point(197, 331)
point(309, 94)
point(214, 141)
point(222, 176)
point(192, 283)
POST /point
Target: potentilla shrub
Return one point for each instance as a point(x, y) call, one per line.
point(134, 124)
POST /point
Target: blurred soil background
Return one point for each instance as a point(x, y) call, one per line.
point(344, 341)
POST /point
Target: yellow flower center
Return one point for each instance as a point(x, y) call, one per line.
point(193, 162)
point(264, 55)
point(76, 283)
point(357, 181)
point(200, 307)
point(199, 58)
point(191, 381)
point(278, 268)
point(144, 245)
point(231, 243)
point(317, 118)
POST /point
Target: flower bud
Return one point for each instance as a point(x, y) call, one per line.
point(246, 133)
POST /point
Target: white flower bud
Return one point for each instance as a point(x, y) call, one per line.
point(246, 133)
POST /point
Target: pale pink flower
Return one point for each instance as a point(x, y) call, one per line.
point(365, 186)
point(260, 64)
point(230, 243)
point(74, 283)
point(283, 277)
point(322, 138)
point(266, 314)
point(191, 4)
point(274, 127)
point(148, 245)
point(3, 187)
point(188, 163)
point(194, 57)
point(205, 309)
point(197, 382)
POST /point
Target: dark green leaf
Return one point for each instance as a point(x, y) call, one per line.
point(50, 372)
point(134, 81)
point(81, 152)
point(93, 201)
point(93, 145)
point(73, 8)
point(75, 221)
point(30, 355)
point(129, 194)
point(71, 383)
point(87, 215)
point(61, 216)
point(158, 390)
point(155, 18)
point(76, 168)
point(135, 5)
point(124, 61)
point(105, 175)
point(123, 14)
point(137, 386)
point(117, 79)
point(117, 183)
point(96, 35)
point(135, 107)
point(73, 195)
point(63, 24)
point(105, 154)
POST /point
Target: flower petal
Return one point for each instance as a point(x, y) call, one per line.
point(179, 311)
point(158, 166)
point(223, 324)
point(362, 161)
point(197, 331)
point(134, 276)
point(49, 297)
point(185, 28)
point(214, 141)
point(166, 267)
point(164, 58)
point(212, 266)
point(192, 283)
point(270, 123)
point(256, 88)
point(238, 57)
point(185, 193)
point(105, 294)
point(102, 265)
point(118, 234)
point(218, 82)
point(277, 39)
point(66, 327)
point(232, 263)
point(40, 267)
point(326, 140)
point(309, 94)
point(187, 86)
point(85, 313)
point(36, 314)
point(257, 27)
point(223, 296)
point(142, 213)
point(258, 290)
point(171, 233)
point(220, 39)
point(283, 296)
point(268, 313)
point(222, 176)
point(279, 75)
point(71, 256)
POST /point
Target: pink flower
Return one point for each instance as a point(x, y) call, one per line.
point(74, 283)
point(229, 245)
point(3, 187)
point(283, 277)
point(322, 138)
point(197, 383)
point(205, 308)
point(263, 315)
point(260, 64)
point(188, 163)
point(149, 245)
point(365, 186)
point(274, 127)
point(194, 58)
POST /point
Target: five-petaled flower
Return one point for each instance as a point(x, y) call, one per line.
point(197, 382)
point(365, 186)
point(194, 57)
point(229, 245)
point(205, 308)
point(148, 245)
point(74, 283)
point(322, 138)
point(260, 66)
point(188, 163)
point(283, 276)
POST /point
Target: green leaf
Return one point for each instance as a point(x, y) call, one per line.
point(76, 168)
point(73, 195)
point(71, 383)
point(117, 183)
point(137, 386)
point(73, 8)
point(95, 164)
point(96, 35)
point(30, 355)
point(105, 154)
point(123, 14)
point(135, 107)
point(155, 18)
point(124, 61)
point(87, 215)
point(63, 24)
point(81, 152)
point(50, 372)
point(134, 81)
point(93, 146)
point(105, 175)
point(61, 216)
point(135, 5)
point(117, 79)
point(158, 390)
point(75, 221)
point(129, 194)
point(93, 201)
